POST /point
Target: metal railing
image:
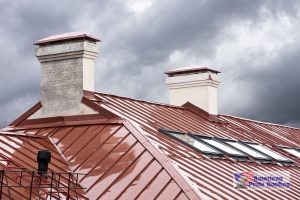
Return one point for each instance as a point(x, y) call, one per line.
point(27, 184)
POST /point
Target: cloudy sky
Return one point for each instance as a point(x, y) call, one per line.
point(254, 43)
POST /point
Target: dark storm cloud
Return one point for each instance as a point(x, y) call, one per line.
point(21, 24)
point(136, 48)
point(275, 90)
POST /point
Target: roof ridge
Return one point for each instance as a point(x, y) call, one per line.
point(179, 179)
point(140, 100)
point(260, 122)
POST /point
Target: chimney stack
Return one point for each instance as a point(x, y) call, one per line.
point(67, 69)
point(197, 85)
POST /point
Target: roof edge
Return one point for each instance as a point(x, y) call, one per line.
point(66, 121)
point(27, 114)
point(259, 122)
point(139, 100)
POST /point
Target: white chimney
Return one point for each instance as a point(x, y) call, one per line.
point(197, 85)
point(67, 68)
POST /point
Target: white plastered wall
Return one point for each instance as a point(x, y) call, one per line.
point(199, 89)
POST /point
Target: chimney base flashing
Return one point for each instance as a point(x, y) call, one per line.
point(46, 113)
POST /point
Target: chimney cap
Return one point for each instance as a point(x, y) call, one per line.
point(190, 70)
point(65, 37)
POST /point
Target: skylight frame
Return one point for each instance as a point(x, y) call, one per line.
point(297, 154)
point(219, 152)
point(285, 160)
point(241, 154)
point(264, 157)
point(215, 152)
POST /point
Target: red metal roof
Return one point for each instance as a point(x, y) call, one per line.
point(18, 154)
point(129, 158)
point(116, 159)
point(213, 178)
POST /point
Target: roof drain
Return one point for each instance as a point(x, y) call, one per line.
point(43, 159)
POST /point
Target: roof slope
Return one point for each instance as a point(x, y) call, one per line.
point(114, 160)
point(131, 157)
point(213, 178)
point(18, 154)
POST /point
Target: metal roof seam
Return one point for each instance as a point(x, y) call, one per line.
point(108, 153)
point(162, 189)
point(67, 147)
point(85, 145)
point(122, 173)
point(59, 150)
point(151, 181)
point(164, 162)
point(145, 167)
point(96, 149)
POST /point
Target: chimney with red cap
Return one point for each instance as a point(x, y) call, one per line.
point(67, 69)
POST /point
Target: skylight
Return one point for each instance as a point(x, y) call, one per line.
point(193, 142)
point(234, 148)
point(247, 150)
point(268, 152)
point(222, 147)
point(294, 152)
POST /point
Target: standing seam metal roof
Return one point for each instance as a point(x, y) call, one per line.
point(123, 157)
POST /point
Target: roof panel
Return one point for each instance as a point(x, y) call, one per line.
point(171, 191)
point(156, 187)
point(117, 160)
point(114, 161)
point(22, 160)
point(158, 116)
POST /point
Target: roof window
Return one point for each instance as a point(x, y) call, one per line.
point(233, 148)
point(220, 146)
point(268, 152)
point(253, 153)
point(295, 152)
point(191, 141)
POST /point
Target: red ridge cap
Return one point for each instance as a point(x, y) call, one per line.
point(65, 121)
point(200, 112)
point(102, 111)
point(27, 114)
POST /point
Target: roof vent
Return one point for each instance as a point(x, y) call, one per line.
point(43, 159)
point(197, 85)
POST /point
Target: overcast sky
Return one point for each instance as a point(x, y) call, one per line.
point(254, 43)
